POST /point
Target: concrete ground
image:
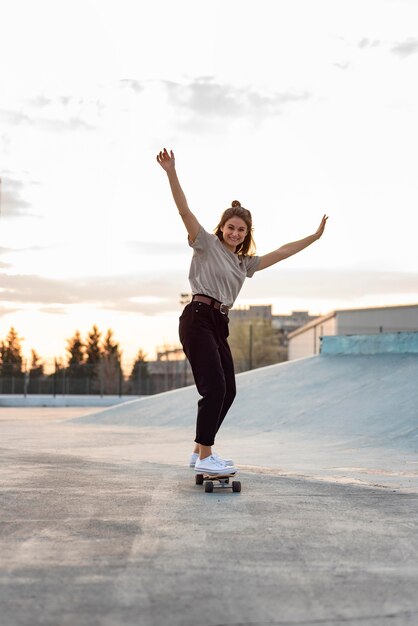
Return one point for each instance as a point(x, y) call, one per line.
point(103, 525)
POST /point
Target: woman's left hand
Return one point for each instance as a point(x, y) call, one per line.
point(321, 227)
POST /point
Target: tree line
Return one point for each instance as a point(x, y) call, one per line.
point(92, 363)
point(97, 356)
point(253, 343)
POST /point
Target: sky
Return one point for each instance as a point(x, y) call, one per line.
point(294, 107)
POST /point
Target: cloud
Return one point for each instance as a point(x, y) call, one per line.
point(406, 48)
point(206, 98)
point(40, 102)
point(329, 284)
point(53, 310)
point(6, 142)
point(57, 112)
point(343, 66)
point(35, 249)
point(367, 43)
point(12, 202)
point(14, 117)
point(6, 310)
point(155, 294)
point(134, 85)
point(71, 123)
point(141, 294)
point(157, 248)
point(27, 249)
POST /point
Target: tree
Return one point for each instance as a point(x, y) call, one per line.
point(266, 344)
point(94, 353)
point(139, 376)
point(111, 364)
point(11, 354)
point(36, 365)
point(76, 359)
point(254, 343)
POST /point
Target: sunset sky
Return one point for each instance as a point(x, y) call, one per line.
point(294, 107)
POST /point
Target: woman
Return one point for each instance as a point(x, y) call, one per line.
point(219, 266)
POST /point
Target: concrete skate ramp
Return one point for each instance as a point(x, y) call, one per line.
point(347, 415)
point(368, 400)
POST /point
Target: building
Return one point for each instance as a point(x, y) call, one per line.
point(248, 313)
point(258, 338)
point(305, 341)
point(286, 323)
point(290, 323)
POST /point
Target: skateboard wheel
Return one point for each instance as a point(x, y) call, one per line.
point(208, 486)
point(236, 486)
point(199, 479)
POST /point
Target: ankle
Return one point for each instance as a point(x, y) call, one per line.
point(204, 451)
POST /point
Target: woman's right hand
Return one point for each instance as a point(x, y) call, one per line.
point(166, 160)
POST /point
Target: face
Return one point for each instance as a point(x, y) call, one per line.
point(234, 231)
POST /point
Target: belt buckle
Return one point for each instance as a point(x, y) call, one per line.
point(223, 309)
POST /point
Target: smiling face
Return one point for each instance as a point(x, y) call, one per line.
point(234, 232)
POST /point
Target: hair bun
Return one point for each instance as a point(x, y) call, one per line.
point(235, 203)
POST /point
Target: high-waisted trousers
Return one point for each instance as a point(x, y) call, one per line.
point(203, 333)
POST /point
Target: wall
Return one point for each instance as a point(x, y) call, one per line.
point(381, 343)
point(386, 320)
point(307, 343)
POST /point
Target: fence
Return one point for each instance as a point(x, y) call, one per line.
point(151, 378)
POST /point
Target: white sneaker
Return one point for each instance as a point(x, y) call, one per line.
point(214, 466)
point(193, 458)
point(226, 461)
point(195, 455)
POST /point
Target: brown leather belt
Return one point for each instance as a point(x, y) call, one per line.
point(222, 308)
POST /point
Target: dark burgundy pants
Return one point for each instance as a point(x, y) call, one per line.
point(203, 333)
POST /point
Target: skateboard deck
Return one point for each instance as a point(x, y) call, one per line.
point(209, 481)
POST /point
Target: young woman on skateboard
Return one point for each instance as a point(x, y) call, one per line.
point(219, 266)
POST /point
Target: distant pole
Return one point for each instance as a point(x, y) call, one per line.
point(120, 381)
point(55, 378)
point(26, 380)
point(101, 373)
point(250, 348)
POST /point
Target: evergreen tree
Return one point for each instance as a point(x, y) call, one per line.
point(36, 366)
point(139, 376)
point(76, 359)
point(11, 354)
point(110, 347)
point(94, 353)
point(111, 364)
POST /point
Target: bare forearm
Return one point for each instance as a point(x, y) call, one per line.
point(289, 249)
point(167, 162)
point(285, 251)
point(189, 219)
point(178, 193)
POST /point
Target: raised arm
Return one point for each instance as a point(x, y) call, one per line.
point(167, 162)
point(289, 249)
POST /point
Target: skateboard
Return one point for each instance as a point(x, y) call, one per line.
point(209, 481)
